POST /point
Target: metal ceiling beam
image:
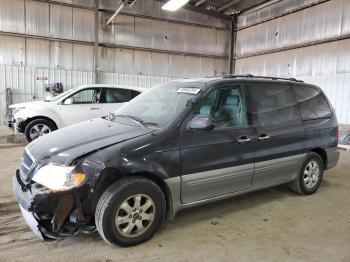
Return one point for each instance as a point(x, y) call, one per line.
point(202, 10)
point(165, 19)
point(288, 12)
point(297, 46)
point(123, 3)
point(111, 19)
point(227, 5)
point(198, 3)
point(148, 49)
point(258, 7)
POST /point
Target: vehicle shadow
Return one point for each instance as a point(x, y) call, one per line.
point(211, 213)
point(219, 209)
point(216, 211)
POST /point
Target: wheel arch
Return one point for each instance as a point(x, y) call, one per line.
point(323, 154)
point(111, 175)
point(27, 121)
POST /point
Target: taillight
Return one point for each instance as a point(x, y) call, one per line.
point(337, 135)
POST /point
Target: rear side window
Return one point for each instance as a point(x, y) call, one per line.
point(273, 104)
point(134, 93)
point(115, 95)
point(312, 103)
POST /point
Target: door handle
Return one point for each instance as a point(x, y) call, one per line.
point(263, 137)
point(94, 108)
point(244, 139)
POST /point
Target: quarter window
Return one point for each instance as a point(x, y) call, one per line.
point(115, 95)
point(311, 102)
point(225, 105)
point(273, 104)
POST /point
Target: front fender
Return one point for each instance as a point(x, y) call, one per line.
point(29, 113)
point(164, 165)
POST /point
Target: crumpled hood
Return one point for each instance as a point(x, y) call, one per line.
point(69, 143)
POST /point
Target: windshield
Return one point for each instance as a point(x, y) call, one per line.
point(55, 98)
point(160, 105)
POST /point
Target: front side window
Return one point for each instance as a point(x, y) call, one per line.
point(87, 96)
point(273, 104)
point(115, 95)
point(312, 103)
point(225, 105)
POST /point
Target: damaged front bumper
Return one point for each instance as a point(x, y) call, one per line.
point(49, 214)
point(25, 199)
point(31, 222)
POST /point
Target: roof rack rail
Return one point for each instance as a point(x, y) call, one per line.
point(263, 77)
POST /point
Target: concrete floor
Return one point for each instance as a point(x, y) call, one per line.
point(270, 225)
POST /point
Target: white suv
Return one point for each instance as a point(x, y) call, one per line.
point(81, 103)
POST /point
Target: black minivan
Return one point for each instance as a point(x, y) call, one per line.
point(178, 145)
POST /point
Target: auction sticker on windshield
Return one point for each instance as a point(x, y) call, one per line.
point(188, 90)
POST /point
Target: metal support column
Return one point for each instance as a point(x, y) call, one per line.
point(96, 42)
point(232, 61)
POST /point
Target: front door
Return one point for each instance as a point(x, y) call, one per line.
point(280, 132)
point(84, 105)
point(219, 161)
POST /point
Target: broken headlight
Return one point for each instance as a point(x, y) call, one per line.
point(58, 177)
point(17, 109)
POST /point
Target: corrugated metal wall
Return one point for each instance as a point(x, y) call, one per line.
point(26, 87)
point(312, 44)
point(144, 46)
point(140, 38)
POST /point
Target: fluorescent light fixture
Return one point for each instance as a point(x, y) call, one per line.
point(174, 5)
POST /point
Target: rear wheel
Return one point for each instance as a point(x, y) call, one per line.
point(310, 175)
point(37, 128)
point(130, 211)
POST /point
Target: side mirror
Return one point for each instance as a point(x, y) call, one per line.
point(68, 101)
point(201, 123)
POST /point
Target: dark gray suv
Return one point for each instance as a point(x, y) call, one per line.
point(178, 145)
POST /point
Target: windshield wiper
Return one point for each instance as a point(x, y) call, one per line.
point(134, 119)
point(139, 121)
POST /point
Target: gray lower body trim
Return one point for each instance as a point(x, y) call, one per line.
point(291, 164)
point(333, 155)
point(176, 196)
point(174, 186)
point(202, 185)
point(275, 170)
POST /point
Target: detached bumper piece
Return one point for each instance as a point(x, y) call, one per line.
point(50, 215)
point(32, 222)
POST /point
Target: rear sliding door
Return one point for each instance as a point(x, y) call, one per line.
point(279, 144)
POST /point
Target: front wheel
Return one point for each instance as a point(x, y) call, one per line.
point(130, 211)
point(37, 128)
point(310, 175)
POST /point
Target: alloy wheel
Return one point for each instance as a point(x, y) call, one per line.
point(311, 174)
point(39, 130)
point(135, 215)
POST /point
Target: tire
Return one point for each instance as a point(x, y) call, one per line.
point(111, 208)
point(39, 127)
point(311, 164)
